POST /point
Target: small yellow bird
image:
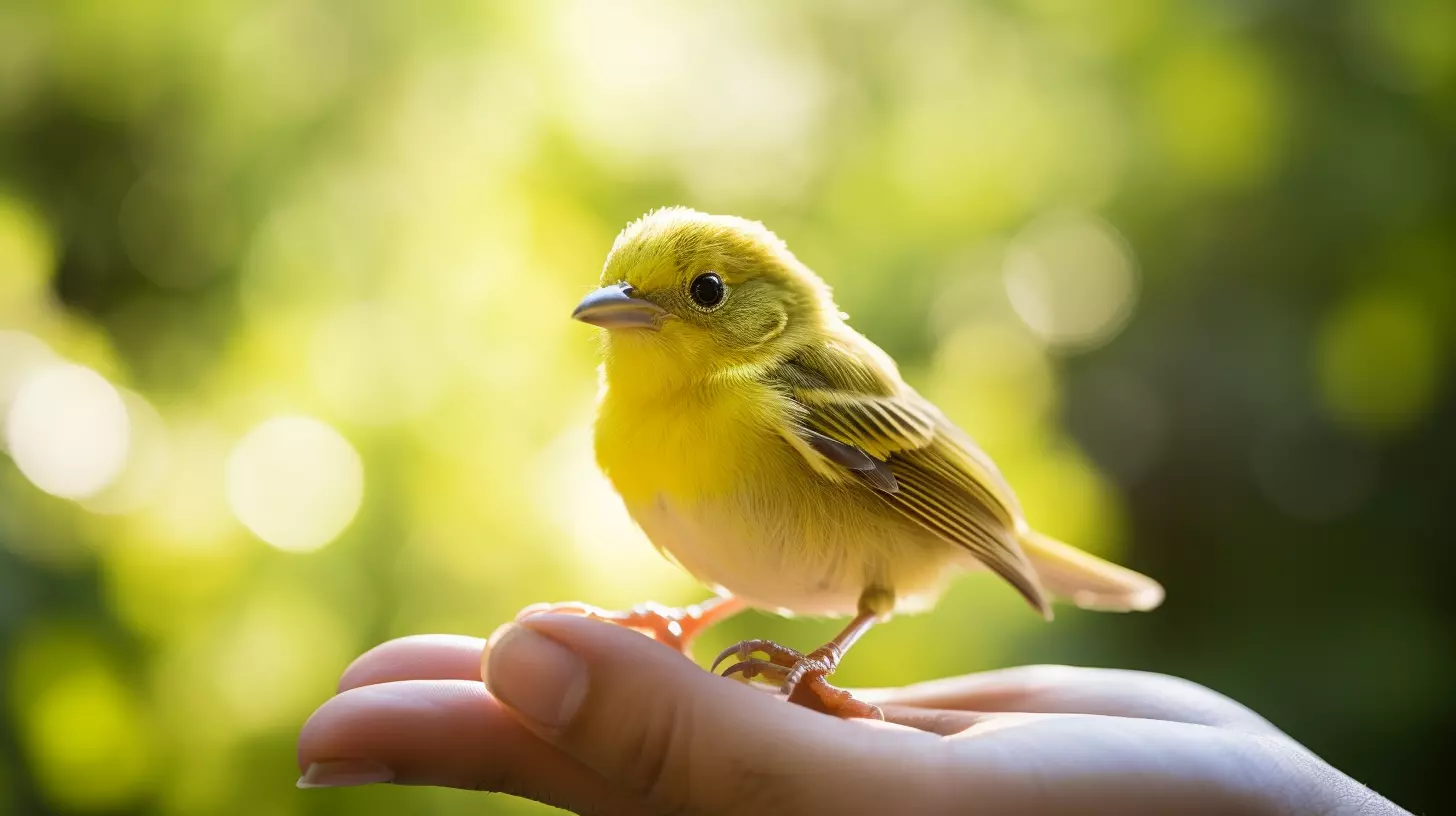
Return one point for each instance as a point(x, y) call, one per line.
point(777, 455)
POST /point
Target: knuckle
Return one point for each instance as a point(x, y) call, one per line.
point(670, 764)
point(653, 759)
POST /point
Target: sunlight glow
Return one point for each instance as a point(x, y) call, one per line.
point(620, 77)
point(21, 355)
point(147, 463)
point(369, 364)
point(67, 430)
point(295, 482)
point(283, 647)
point(1004, 396)
point(1072, 280)
point(610, 548)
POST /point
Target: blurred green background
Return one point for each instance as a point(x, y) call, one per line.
point(286, 368)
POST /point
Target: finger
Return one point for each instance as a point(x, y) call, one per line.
point(1076, 690)
point(934, 720)
point(654, 723)
point(1071, 763)
point(449, 733)
point(419, 657)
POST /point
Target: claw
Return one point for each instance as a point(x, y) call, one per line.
point(776, 654)
point(735, 649)
point(802, 677)
point(741, 650)
point(753, 668)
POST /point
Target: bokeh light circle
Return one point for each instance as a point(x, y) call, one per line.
point(21, 355)
point(1071, 279)
point(67, 430)
point(295, 482)
point(148, 461)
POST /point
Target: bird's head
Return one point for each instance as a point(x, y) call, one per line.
point(688, 293)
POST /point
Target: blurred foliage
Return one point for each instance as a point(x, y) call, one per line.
point(1187, 269)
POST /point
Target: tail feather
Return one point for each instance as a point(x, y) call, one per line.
point(1089, 581)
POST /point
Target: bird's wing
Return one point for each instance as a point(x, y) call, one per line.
point(853, 412)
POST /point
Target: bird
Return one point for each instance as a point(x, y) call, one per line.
point(778, 456)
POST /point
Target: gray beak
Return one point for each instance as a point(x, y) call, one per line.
point(613, 307)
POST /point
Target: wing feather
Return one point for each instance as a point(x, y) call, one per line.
point(848, 396)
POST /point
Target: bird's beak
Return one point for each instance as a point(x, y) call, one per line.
point(613, 307)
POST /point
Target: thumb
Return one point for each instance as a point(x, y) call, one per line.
point(661, 728)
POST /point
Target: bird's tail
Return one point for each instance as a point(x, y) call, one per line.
point(1089, 581)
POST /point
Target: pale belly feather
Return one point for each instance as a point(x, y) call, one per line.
point(749, 516)
point(818, 574)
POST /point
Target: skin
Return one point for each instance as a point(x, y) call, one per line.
point(598, 719)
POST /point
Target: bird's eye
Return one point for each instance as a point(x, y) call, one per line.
point(707, 290)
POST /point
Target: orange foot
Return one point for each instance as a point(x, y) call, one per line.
point(804, 678)
point(675, 628)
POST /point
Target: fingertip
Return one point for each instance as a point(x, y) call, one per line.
point(371, 721)
point(446, 733)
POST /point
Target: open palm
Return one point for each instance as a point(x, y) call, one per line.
point(599, 719)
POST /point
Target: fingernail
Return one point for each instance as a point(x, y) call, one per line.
point(344, 773)
point(533, 674)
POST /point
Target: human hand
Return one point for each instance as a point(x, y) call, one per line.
point(598, 719)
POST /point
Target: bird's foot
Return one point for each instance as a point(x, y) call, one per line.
point(803, 678)
point(675, 628)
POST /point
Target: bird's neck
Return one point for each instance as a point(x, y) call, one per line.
point(653, 375)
